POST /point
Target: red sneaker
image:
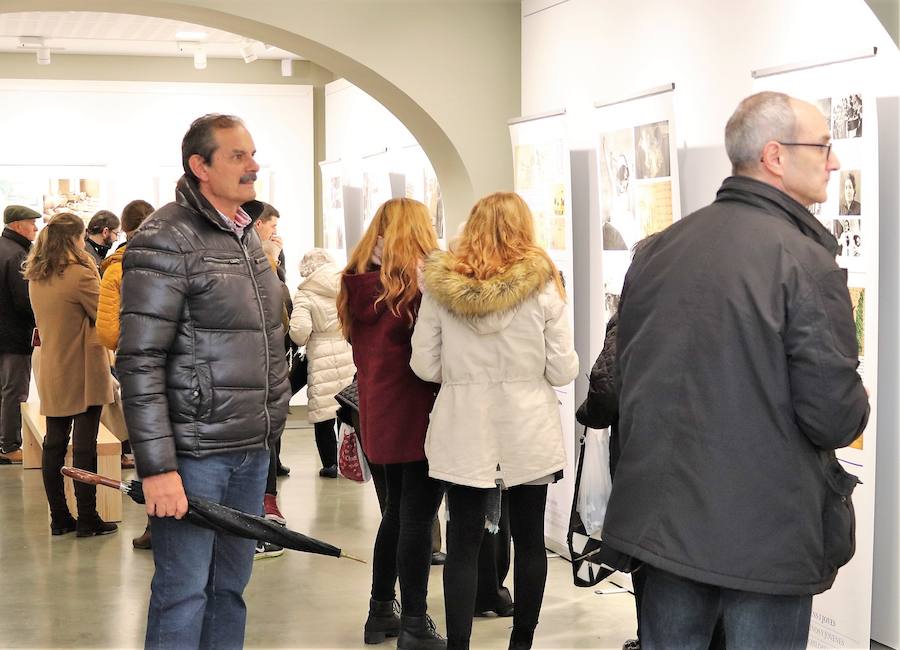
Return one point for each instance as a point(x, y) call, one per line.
point(270, 505)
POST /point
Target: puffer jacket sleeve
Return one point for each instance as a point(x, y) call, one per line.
point(426, 342)
point(562, 361)
point(301, 318)
point(601, 407)
point(154, 289)
point(108, 308)
point(830, 402)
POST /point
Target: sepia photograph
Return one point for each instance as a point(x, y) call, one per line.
point(849, 236)
point(850, 199)
point(652, 151)
point(847, 117)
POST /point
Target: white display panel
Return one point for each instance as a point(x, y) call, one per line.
point(637, 177)
point(842, 91)
point(543, 180)
point(333, 239)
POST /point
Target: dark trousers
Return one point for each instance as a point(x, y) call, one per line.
point(272, 476)
point(493, 561)
point(15, 375)
point(326, 442)
point(464, 537)
point(380, 481)
point(403, 544)
point(84, 427)
point(681, 613)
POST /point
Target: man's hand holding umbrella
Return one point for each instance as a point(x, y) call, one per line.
point(164, 495)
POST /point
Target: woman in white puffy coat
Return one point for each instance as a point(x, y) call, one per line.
point(314, 323)
point(492, 329)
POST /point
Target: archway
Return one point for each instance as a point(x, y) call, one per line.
point(453, 175)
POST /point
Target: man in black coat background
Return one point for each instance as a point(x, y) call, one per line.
point(16, 327)
point(737, 359)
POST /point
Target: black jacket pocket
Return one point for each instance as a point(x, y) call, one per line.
point(838, 516)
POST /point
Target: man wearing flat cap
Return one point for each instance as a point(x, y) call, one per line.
point(16, 327)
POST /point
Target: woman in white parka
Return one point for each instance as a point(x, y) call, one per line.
point(314, 323)
point(492, 329)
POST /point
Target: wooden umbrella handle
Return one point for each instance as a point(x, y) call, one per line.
point(84, 476)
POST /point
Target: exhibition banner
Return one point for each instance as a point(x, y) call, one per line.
point(841, 616)
point(637, 177)
point(376, 184)
point(543, 180)
point(333, 239)
point(421, 184)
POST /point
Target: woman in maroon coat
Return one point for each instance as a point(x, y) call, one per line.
point(377, 304)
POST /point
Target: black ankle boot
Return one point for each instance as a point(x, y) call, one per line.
point(418, 633)
point(91, 526)
point(383, 621)
point(62, 524)
point(521, 640)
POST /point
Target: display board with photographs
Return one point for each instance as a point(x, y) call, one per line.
point(333, 239)
point(637, 180)
point(51, 190)
point(543, 180)
point(841, 616)
point(376, 184)
point(421, 184)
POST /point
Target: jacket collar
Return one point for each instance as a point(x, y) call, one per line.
point(11, 234)
point(769, 198)
point(471, 298)
point(188, 195)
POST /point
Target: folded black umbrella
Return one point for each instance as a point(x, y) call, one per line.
point(215, 516)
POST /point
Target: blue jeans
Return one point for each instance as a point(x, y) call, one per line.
point(680, 613)
point(196, 598)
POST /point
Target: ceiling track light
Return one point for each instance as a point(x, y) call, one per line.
point(248, 51)
point(200, 58)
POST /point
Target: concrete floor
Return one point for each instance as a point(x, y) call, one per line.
point(64, 592)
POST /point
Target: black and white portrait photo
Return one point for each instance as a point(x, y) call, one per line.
point(847, 117)
point(849, 194)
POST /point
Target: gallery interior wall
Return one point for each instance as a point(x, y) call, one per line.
point(577, 52)
point(133, 132)
point(449, 70)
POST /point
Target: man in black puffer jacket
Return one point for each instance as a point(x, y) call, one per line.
point(204, 381)
point(737, 357)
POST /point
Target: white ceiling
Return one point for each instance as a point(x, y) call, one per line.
point(81, 32)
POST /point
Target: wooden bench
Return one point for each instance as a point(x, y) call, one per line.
point(109, 460)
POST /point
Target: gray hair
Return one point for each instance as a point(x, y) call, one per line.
point(313, 260)
point(758, 119)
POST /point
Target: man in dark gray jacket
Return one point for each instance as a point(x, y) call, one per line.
point(204, 381)
point(738, 378)
point(16, 327)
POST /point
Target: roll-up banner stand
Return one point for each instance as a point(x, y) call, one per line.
point(542, 179)
point(842, 91)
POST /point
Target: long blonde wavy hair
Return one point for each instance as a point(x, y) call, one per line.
point(405, 226)
point(56, 247)
point(499, 233)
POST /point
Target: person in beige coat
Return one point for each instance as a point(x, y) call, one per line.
point(314, 323)
point(74, 380)
point(493, 331)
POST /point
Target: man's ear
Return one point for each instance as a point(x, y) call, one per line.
point(198, 167)
point(772, 158)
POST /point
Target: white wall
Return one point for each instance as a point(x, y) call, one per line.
point(576, 52)
point(134, 131)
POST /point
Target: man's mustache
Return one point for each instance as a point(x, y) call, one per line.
point(249, 178)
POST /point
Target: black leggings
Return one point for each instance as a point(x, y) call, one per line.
point(272, 478)
point(403, 544)
point(464, 534)
point(84, 427)
point(326, 442)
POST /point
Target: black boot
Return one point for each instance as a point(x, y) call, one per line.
point(62, 523)
point(418, 633)
point(91, 526)
point(521, 640)
point(383, 621)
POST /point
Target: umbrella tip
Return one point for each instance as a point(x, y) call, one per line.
point(351, 557)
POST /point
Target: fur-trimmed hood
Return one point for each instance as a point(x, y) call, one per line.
point(486, 305)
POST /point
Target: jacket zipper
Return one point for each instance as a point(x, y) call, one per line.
point(262, 315)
